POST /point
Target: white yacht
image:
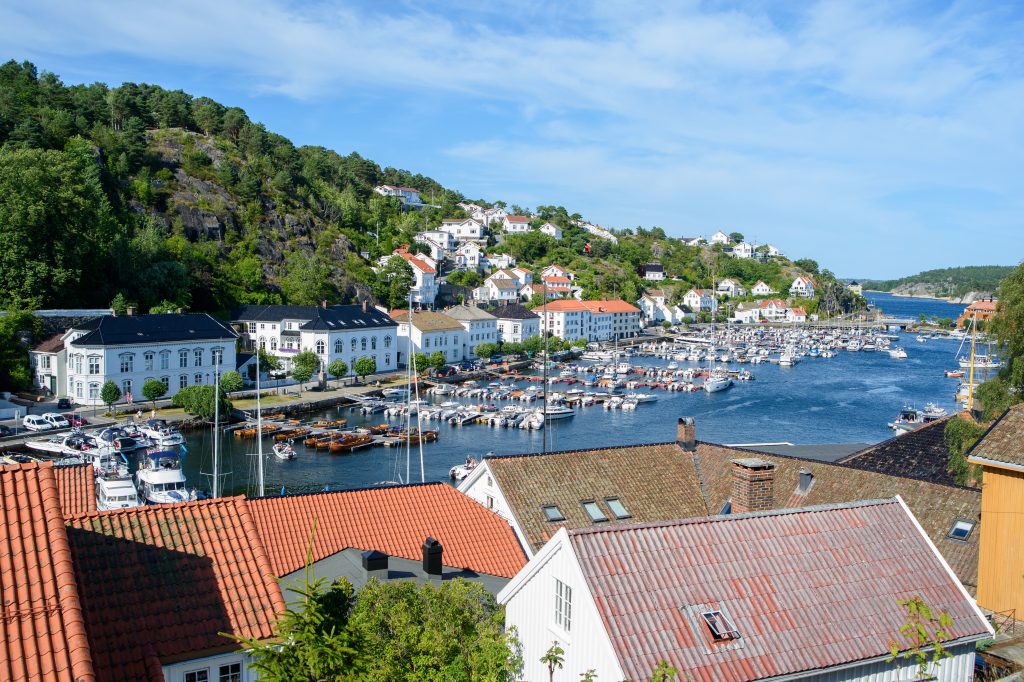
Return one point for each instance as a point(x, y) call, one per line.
point(160, 433)
point(898, 353)
point(114, 491)
point(75, 443)
point(787, 359)
point(558, 412)
point(981, 362)
point(641, 397)
point(717, 381)
point(161, 480)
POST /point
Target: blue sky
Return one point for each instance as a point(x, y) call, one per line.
point(880, 138)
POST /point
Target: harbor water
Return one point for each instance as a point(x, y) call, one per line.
point(846, 399)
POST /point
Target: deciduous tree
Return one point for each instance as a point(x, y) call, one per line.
point(153, 390)
point(338, 368)
point(365, 366)
point(110, 394)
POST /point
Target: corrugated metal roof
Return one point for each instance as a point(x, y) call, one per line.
point(807, 589)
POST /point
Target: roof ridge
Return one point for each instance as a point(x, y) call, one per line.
point(348, 490)
point(721, 518)
point(155, 508)
point(569, 452)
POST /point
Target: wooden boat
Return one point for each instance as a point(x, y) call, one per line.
point(350, 442)
point(292, 433)
point(250, 431)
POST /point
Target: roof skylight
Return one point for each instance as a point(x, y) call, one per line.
point(618, 509)
point(722, 629)
point(552, 512)
point(961, 529)
point(594, 512)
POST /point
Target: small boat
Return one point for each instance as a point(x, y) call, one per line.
point(558, 412)
point(349, 442)
point(460, 472)
point(897, 353)
point(292, 433)
point(954, 373)
point(932, 412)
point(717, 381)
point(160, 433)
point(75, 443)
point(284, 450)
point(908, 419)
point(160, 479)
point(981, 362)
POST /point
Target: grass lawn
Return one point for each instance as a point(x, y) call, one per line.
point(250, 403)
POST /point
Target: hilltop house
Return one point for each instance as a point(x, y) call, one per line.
point(743, 250)
point(652, 272)
point(502, 287)
point(409, 196)
point(701, 300)
point(771, 250)
point(515, 323)
point(49, 362)
point(513, 224)
point(499, 261)
point(551, 230)
point(441, 243)
point(802, 286)
point(464, 229)
point(555, 270)
point(731, 288)
point(429, 332)
point(177, 349)
point(762, 289)
point(337, 332)
point(523, 276)
point(479, 327)
point(719, 238)
point(469, 256)
point(424, 290)
point(748, 312)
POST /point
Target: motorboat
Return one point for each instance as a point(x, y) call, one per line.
point(717, 381)
point(673, 365)
point(162, 435)
point(897, 353)
point(115, 438)
point(932, 412)
point(115, 490)
point(787, 360)
point(641, 397)
point(283, 450)
point(908, 419)
point(460, 472)
point(954, 373)
point(74, 443)
point(160, 479)
point(558, 412)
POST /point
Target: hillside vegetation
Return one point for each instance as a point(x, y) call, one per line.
point(158, 198)
point(952, 283)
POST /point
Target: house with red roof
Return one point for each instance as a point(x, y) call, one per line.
point(802, 286)
point(983, 310)
point(592, 320)
point(810, 593)
point(424, 290)
point(516, 224)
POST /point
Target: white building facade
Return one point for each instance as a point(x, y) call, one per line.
point(478, 326)
point(428, 333)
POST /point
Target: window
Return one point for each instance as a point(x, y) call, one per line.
point(373, 343)
point(273, 343)
point(961, 529)
point(321, 347)
point(722, 629)
point(230, 673)
point(490, 481)
point(354, 345)
point(127, 363)
point(252, 327)
point(198, 675)
point(263, 343)
point(387, 341)
point(594, 512)
point(618, 509)
point(183, 381)
point(78, 389)
point(552, 512)
point(387, 359)
point(148, 359)
point(44, 361)
point(94, 364)
point(263, 326)
point(78, 364)
point(166, 381)
point(126, 388)
point(198, 379)
point(362, 344)
point(563, 605)
point(94, 391)
point(338, 346)
point(199, 357)
point(426, 343)
point(182, 359)
point(490, 502)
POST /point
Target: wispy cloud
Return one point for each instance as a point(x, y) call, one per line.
point(826, 127)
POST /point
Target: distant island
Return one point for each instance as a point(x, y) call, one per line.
point(957, 285)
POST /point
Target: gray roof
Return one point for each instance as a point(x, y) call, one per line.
point(468, 312)
point(164, 328)
point(331, 318)
point(513, 311)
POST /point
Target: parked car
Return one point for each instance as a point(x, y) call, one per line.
point(64, 404)
point(56, 420)
point(6, 431)
point(34, 422)
point(75, 419)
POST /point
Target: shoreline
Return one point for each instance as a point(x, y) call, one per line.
point(929, 298)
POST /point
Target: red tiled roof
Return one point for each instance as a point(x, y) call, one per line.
point(164, 581)
point(808, 589)
point(613, 306)
point(518, 218)
point(777, 302)
point(417, 263)
point(77, 486)
point(554, 279)
point(799, 311)
point(42, 634)
point(395, 520)
point(561, 305)
point(985, 305)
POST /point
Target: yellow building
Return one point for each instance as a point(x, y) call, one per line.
point(1000, 453)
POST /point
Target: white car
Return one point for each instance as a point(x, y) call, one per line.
point(58, 421)
point(34, 422)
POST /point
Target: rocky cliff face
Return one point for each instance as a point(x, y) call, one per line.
point(923, 290)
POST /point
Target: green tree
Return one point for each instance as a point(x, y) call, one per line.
point(923, 636)
point(421, 362)
point(153, 390)
point(807, 264)
point(199, 400)
point(365, 366)
point(485, 350)
point(465, 278)
point(15, 369)
point(110, 394)
point(393, 282)
point(268, 362)
point(338, 368)
point(304, 364)
point(995, 397)
point(119, 304)
point(554, 659)
point(306, 280)
point(665, 672)
point(580, 343)
point(1008, 329)
point(231, 382)
point(960, 435)
point(438, 360)
point(735, 237)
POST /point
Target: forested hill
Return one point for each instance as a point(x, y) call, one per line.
point(164, 200)
point(952, 283)
point(178, 201)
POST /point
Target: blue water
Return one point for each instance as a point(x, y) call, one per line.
point(846, 399)
point(905, 306)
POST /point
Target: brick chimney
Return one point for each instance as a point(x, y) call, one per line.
point(753, 485)
point(686, 434)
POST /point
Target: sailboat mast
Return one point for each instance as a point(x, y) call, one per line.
point(216, 422)
point(259, 434)
point(970, 378)
point(408, 397)
point(544, 408)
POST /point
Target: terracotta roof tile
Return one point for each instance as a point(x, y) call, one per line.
point(77, 486)
point(42, 634)
point(611, 306)
point(807, 589)
point(395, 520)
point(168, 579)
point(1004, 441)
point(653, 482)
point(417, 263)
point(566, 304)
point(936, 506)
point(426, 320)
point(518, 218)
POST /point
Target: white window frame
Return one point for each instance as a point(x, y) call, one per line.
point(563, 605)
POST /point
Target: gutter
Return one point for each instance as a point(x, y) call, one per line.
point(985, 461)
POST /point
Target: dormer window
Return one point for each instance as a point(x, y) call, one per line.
point(721, 628)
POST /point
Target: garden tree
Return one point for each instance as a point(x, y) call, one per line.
point(960, 435)
point(268, 362)
point(465, 278)
point(15, 368)
point(365, 366)
point(554, 659)
point(393, 282)
point(199, 401)
point(995, 397)
point(533, 345)
point(338, 368)
point(421, 362)
point(438, 360)
point(304, 364)
point(512, 347)
point(110, 394)
point(735, 237)
point(119, 304)
point(153, 390)
point(807, 264)
point(486, 349)
point(664, 672)
point(231, 382)
point(923, 635)
point(580, 343)
point(306, 279)
point(1008, 328)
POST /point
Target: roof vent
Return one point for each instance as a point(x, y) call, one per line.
point(806, 481)
point(375, 562)
point(433, 553)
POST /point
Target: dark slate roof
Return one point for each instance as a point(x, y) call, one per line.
point(826, 452)
point(1003, 443)
point(807, 589)
point(920, 454)
point(513, 311)
point(54, 344)
point(331, 318)
point(654, 482)
point(166, 328)
point(653, 267)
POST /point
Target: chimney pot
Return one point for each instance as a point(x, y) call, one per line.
point(433, 553)
point(374, 561)
point(753, 485)
point(686, 434)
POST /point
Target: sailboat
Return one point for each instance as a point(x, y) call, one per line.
point(717, 380)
